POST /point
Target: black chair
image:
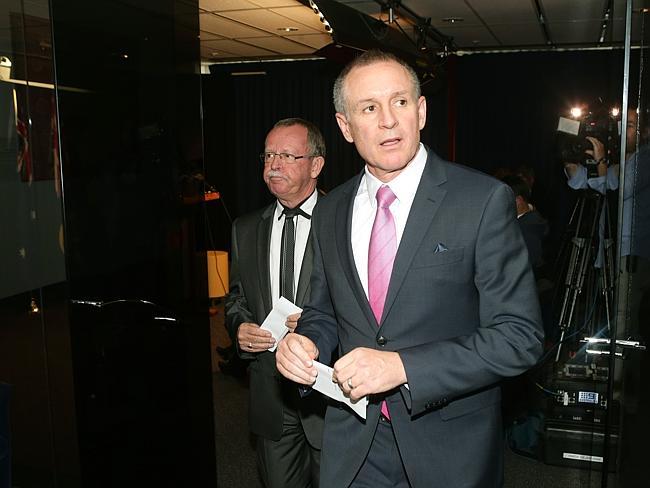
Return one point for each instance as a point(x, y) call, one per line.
point(5, 437)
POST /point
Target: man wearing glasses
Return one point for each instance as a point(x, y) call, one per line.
point(271, 258)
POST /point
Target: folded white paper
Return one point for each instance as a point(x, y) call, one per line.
point(327, 387)
point(276, 320)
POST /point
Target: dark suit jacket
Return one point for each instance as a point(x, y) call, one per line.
point(250, 300)
point(461, 310)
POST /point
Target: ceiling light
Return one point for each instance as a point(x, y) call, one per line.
point(453, 20)
point(321, 16)
point(288, 29)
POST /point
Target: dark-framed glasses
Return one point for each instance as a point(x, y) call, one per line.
point(286, 158)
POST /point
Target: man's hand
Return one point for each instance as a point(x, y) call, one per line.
point(598, 151)
point(292, 321)
point(252, 338)
point(365, 371)
point(295, 359)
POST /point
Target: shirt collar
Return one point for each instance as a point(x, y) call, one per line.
point(403, 185)
point(307, 206)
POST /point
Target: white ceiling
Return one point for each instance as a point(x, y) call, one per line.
point(245, 29)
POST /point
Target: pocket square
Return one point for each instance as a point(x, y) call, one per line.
point(440, 248)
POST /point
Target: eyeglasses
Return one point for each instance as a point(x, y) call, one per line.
point(268, 157)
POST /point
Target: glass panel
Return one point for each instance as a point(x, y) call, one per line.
point(633, 368)
point(32, 266)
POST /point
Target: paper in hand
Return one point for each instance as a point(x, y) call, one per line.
point(327, 387)
point(275, 321)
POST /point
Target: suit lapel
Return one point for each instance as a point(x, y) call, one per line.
point(263, 244)
point(426, 204)
point(305, 268)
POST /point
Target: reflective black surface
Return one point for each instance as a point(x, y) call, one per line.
point(111, 376)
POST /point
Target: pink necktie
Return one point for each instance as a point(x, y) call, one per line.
point(381, 254)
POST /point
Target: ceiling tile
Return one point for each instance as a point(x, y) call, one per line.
point(441, 9)
point(577, 32)
point(237, 48)
point(266, 20)
point(504, 11)
point(227, 28)
point(563, 10)
point(491, 23)
point(209, 53)
point(303, 15)
point(470, 36)
point(225, 5)
point(205, 36)
point(519, 34)
point(316, 41)
point(280, 45)
point(276, 3)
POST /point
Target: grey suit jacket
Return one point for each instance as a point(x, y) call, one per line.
point(461, 310)
point(249, 300)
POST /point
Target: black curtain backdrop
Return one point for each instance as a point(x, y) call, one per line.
point(503, 108)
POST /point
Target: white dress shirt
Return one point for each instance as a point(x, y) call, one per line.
point(302, 228)
point(404, 187)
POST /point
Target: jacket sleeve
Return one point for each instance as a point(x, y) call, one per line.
point(236, 307)
point(508, 338)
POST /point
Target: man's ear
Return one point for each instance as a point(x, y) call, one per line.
point(342, 120)
point(316, 166)
point(422, 112)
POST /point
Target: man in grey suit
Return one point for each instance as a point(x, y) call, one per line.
point(427, 322)
point(288, 428)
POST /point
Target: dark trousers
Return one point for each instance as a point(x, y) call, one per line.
point(383, 467)
point(290, 462)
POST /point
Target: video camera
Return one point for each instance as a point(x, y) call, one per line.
point(602, 123)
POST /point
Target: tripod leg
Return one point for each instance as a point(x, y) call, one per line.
point(577, 272)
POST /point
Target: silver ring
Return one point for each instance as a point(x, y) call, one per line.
point(350, 383)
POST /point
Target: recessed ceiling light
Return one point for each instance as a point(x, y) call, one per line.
point(453, 20)
point(288, 29)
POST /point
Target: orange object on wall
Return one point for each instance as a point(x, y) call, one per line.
point(217, 273)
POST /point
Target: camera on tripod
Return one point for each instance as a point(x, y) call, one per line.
point(602, 123)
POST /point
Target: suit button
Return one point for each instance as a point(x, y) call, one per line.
point(381, 340)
